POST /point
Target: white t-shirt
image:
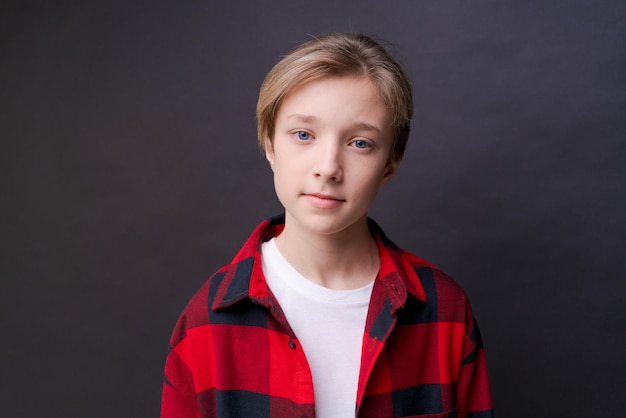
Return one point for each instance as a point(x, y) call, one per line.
point(329, 325)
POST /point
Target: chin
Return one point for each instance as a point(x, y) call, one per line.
point(329, 224)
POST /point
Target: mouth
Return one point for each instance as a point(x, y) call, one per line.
point(323, 201)
point(324, 197)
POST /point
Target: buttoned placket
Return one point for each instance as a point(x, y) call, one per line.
point(277, 313)
point(396, 295)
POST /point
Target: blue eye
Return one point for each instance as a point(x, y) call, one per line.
point(302, 135)
point(359, 143)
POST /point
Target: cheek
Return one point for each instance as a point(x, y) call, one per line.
point(283, 173)
point(368, 188)
point(380, 179)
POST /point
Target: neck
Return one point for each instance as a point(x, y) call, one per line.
point(344, 260)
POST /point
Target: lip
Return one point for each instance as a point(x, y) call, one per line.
point(323, 201)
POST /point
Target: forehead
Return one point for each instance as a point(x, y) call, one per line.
point(348, 99)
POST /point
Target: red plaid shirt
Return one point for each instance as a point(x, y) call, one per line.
point(233, 354)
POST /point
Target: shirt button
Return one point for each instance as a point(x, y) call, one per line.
point(292, 344)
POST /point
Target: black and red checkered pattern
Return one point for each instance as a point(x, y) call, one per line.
point(233, 354)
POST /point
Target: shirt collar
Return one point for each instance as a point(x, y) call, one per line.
point(243, 277)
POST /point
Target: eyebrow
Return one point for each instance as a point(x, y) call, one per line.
point(302, 118)
point(368, 127)
point(310, 119)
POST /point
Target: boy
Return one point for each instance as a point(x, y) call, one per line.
point(320, 314)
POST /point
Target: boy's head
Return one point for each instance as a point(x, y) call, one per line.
point(338, 55)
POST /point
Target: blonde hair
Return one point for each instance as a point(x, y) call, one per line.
point(338, 55)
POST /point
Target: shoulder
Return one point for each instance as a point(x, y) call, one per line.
point(435, 296)
point(428, 272)
point(196, 312)
point(231, 284)
point(424, 279)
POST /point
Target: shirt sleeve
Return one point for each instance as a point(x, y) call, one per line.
point(178, 399)
point(473, 393)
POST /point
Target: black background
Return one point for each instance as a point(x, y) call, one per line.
point(130, 173)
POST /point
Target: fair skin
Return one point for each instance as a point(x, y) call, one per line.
point(330, 156)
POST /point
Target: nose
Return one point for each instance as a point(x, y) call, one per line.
point(328, 165)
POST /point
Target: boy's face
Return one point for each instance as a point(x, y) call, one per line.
point(330, 154)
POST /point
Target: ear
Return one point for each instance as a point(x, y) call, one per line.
point(269, 154)
point(390, 170)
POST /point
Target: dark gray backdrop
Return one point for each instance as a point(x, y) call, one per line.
point(130, 173)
